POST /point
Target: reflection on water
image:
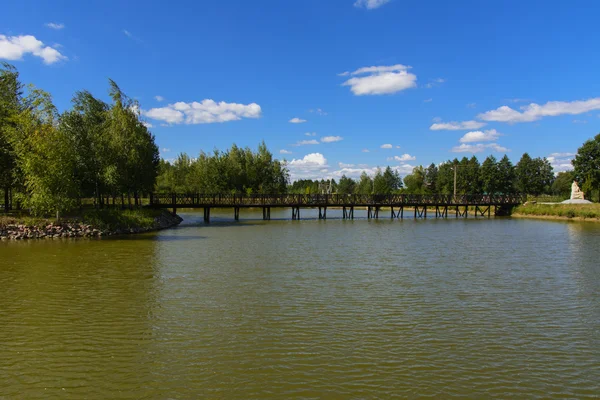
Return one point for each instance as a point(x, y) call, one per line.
point(310, 309)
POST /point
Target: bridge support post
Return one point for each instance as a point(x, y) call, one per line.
point(207, 215)
point(295, 213)
point(322, 212)
point(344, 216)
point(236, 213)
point(376, 212)
point(267, 213)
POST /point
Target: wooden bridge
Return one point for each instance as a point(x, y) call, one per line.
point(441, 205)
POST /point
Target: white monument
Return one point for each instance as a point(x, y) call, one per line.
point(576, 193)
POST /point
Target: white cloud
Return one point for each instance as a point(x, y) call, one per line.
point(147, 124)
point(284, 151)
point(370, 4)
point(54, 25)
point(471, 105)
point(159, 98)
point(342, 165)
point(580, 121)
point(561, 162)
point(480, 136)
point(402, 158)
point(561, 155)
point(14, 47)
point(331, 139)
point(311, 166)
point(165, 150)
point(427, 100)
point(479, 147)
point(456, 126)
point(306, 142)
point(534, 112)
point(297, 120)
point(386, 146)
point(366, 150)
point(380, 80)
point(206, 112)
point(310, 134)
point(435, 82)
point(397, 147)
point(127, 33)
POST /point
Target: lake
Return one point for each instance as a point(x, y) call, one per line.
point(306, 309)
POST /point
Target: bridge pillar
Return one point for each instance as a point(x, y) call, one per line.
point(236, 213)
point(174, 210)
point(207, 215)
point(266, 213)
point(295, 213)
point(322, 212)
point(369, 212)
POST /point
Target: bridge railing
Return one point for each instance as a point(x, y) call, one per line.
point(316, 200)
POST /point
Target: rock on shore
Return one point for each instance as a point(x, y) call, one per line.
point(78, 230)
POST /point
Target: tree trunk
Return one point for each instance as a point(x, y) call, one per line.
point(122, 202)
point(129, 198)
point(135, 195)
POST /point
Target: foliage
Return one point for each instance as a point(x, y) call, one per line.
point(94, 149)
point(237, 171)
point(587, 165)
point(346, 185)
point(562, 184)
point(533, 176)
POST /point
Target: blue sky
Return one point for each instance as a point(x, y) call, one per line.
point(433, 80)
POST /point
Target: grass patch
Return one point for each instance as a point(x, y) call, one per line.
point(106, 219)
point(584, 211)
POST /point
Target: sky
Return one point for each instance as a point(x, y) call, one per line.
point(333, 87)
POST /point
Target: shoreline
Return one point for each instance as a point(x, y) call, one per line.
point(74, 229)
point(555, 217)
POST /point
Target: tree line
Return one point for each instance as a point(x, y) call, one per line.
point(532, 176)
point(50, 162)
point(234, 171)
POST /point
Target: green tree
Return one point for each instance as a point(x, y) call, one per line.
point(84, 127)
point(44, 157)
point(562, 183)
point(587, 165)
point(431, 178)
point(365, 184)
point(533, 176)
point(415, 182)
point(490, 175)
point(506, 175)
point(11, 91)
point(346, 185)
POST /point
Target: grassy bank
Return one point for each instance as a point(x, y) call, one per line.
point(589, 212)
point(106, 219)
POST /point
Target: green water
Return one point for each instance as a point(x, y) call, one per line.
point(306, 309)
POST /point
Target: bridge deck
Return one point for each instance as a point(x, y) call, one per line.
point(331, 200)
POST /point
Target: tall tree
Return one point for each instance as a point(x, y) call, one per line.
point(533, 176)
point(11, 92)
point(506, 175)
point(562, 183)
point(415, 182)
point(346, 185)
point(587, 165)
point(489, 175)
point(431, 178)
point(365, 184)
point(85, 127)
